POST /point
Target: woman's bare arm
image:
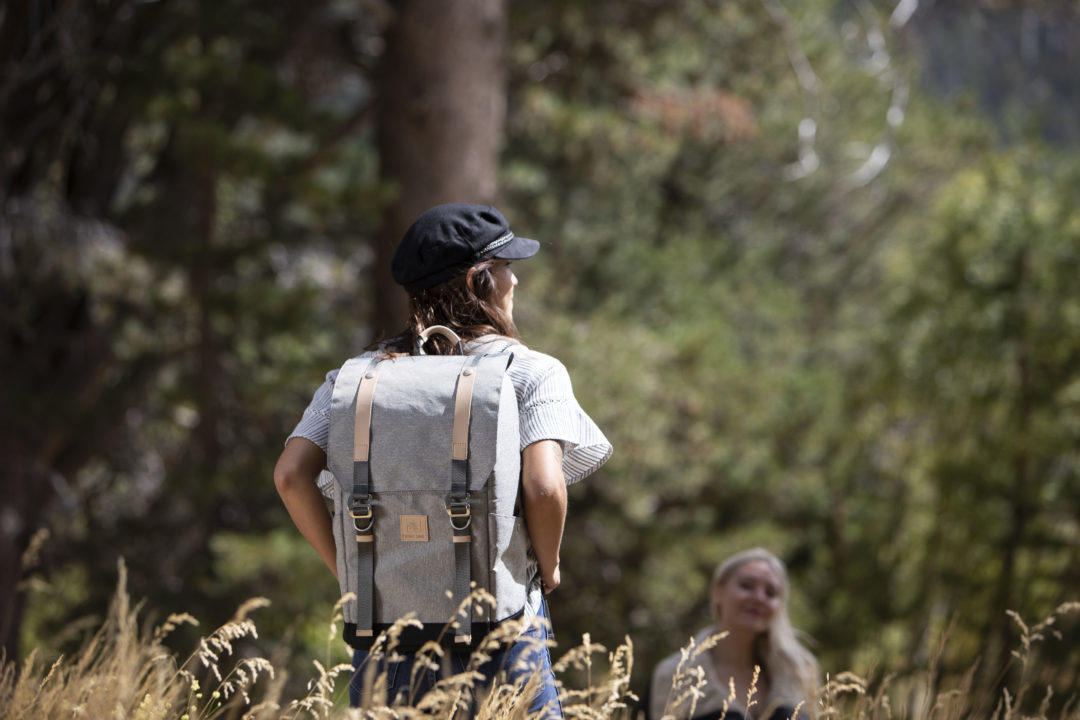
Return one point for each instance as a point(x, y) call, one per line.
point(296, 477)
point(545, 506)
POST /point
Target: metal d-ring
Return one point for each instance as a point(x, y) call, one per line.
point(362, 511)
point(452, 511)
point(367, 528)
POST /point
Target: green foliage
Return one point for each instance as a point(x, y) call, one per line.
point(738, 332)
point(304, 592)
point(870, 368)
point(215, 267)
point(985, 303)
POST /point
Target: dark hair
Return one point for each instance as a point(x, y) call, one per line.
point(464, 304)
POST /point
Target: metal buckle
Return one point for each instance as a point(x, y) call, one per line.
point(457, 510)
point(361, 510)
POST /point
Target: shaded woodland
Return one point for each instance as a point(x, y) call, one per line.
point(812, 267)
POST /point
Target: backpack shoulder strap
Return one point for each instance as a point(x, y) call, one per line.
point(349, 448)
point(343, 419)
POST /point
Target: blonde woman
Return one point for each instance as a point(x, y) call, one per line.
point(748, 597)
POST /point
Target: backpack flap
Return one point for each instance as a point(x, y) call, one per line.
point(422, 538)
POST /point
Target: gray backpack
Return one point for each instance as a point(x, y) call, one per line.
point(425, 452)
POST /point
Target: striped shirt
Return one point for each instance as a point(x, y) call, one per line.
point(547, 410)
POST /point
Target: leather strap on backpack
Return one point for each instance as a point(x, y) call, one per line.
point(360, 509)
point(457, 505)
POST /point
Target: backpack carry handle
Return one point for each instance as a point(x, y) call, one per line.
point(446, 332)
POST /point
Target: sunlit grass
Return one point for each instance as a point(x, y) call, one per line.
point(125, 671)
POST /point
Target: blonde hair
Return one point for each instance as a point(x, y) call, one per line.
point(791, 669)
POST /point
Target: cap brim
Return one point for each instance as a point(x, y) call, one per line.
point(517, 249)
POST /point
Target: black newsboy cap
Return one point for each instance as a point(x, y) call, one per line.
point(448, 239)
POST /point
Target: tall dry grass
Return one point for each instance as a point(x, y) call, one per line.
point(125, 671)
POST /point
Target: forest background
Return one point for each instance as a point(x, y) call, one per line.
point(812, 266)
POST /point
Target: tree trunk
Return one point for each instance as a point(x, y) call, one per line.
point(52, 356)
point(25, 485)
point(439, 121)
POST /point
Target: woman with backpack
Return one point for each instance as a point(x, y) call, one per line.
point(754, 652)
point(454, 261)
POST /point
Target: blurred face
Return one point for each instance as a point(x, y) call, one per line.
point(505, 282)
point(749, 599)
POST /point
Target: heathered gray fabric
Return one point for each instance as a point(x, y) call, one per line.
point(547, 410)
point(410, 467)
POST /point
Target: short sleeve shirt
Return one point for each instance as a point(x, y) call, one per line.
point(547, 410)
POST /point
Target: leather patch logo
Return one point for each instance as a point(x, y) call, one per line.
point(414, 528)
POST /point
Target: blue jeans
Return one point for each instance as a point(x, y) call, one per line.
point(513, 665)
